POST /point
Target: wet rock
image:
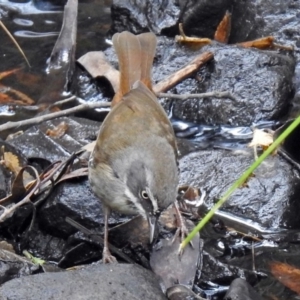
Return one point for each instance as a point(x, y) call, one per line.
point(113, 281)
point(34, 142)
point(78, 251)
point(240, 289)
point(79, 132)
point(141, 16)
point(260, 81)
point(287, 27)
point(269, 197)
point(73, 199)
point(14, 266)
point(41, 244)
point(246, 24)
point(281, 19)
point(201, 18)
point(213, 270)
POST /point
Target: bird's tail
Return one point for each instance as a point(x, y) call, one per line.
point(135, 54)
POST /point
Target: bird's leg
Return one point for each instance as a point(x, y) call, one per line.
point(106, 255)
point(181, 227)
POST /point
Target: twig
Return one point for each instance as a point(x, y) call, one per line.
point(40, 119)
point(8, 211)
point(15, 42)
point(64, 101)
point(183, 73)
point(216, 94)
point(98, 239)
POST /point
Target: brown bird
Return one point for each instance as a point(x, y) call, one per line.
point(133, 168)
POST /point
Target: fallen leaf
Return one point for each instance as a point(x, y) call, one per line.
point(12, 96)
point(193, 42)
point(263, 43)
point(8, 73)
point(96, 64)
point(58, 131)
point(223, 30)
point(82, 172)
point(287, 274)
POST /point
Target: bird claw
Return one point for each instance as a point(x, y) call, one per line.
point(183, 232)
point(107, 258)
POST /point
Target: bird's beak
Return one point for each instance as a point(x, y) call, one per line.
point(152, 220)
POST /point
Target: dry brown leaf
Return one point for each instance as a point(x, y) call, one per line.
point(263, 43)
point(58, 131)
point(12, 96)
point(96, 64)
point(8, 73)
point(286, 274)
point(223, 30)
point(82, 172)
point(191, 41)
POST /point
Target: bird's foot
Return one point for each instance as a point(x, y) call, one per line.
point(182, 231)
point(107, 258)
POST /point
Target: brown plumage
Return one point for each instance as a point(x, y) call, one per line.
point(133, 168)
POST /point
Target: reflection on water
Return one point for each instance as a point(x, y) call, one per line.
point(36, 25)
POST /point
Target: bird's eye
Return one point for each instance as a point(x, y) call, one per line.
point(144, 195)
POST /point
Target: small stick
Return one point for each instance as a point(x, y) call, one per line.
point(64, 101)
point(99, 240)
point(15, 42)
point(216, 94)
point(40, 119)
point(183, 73)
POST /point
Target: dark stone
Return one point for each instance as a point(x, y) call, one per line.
point(40, 244)
point(260, 81)
point(269, 197)
point(14, 266)
point(110, 281)
point(34, 142)
point(70, 199)
point(139, 16)
point(73, 199)
point(213, 270)
point(201, 18)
